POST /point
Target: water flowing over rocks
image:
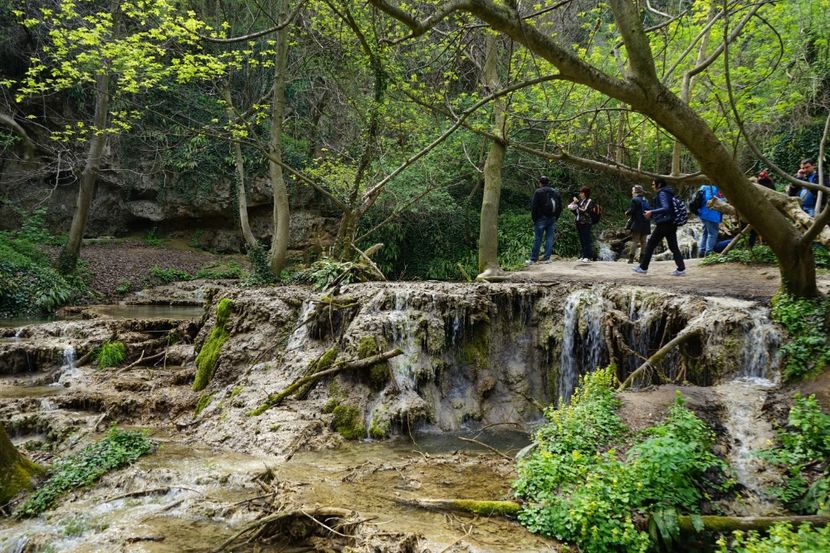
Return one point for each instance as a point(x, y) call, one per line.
point(473, 356)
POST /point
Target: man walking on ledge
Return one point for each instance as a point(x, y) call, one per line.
point(662, 213)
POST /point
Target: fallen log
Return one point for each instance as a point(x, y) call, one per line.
point(365, 363)
point(685, 335)
point(473, 506)
point(724, 524)
point(790, 207)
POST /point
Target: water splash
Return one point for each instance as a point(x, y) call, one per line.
point(749, 432)
point(300, 335)
point(606, 253)
point(582, 345)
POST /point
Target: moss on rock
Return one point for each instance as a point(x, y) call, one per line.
point(202, 404)
point(348, 422)
point(209, 353)
point(17, 473)
point(475, 350)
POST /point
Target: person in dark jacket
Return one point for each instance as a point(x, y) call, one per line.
point(640, 226)
point(662, 213)
point(808, 197)
point(582, 207)
point(545, 209)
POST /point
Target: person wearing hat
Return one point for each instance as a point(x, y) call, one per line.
point(582, 207)
point(544, 210)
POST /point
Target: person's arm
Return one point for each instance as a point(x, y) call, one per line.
point(664, 204)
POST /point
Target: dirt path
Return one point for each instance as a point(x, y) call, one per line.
point(756, 282)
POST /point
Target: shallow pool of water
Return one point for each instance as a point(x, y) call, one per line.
point(149, 312)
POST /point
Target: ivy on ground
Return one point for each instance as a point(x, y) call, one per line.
point(580, 488)
point(805, 320)
point(118, 448)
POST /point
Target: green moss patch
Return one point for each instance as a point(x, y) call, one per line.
point(348, 422)
point(202, 404)
point(209, 353)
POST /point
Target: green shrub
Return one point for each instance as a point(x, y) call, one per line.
point(324, 272)
point(123, 288)
point(260, 269)
point(758, 255)
point(579, 488)
point(110, 354)
point(169, 274)
point(209, 353)
point(781, 538)
point(807, 349)
point(152, 239)
point(805, 442)
point(118, 448)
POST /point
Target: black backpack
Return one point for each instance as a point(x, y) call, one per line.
point(554, 206)
point(595, 211)
point(697, 203)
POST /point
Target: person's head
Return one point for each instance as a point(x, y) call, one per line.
point(807, 166)
point(543, 181)
point(763, 174)
point(637, 190)
point(659, 182)
point(584, 192)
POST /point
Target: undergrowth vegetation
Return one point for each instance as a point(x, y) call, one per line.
point(118, 448)
point(781, 538)
point(110, 354)
point(807, 349)
point(583, 485)
point(28, 284)
point(803, 452)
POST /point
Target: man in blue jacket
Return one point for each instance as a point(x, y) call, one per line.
point(808, 197)
point(711, 220)
point(662, 213)
point(544, 210)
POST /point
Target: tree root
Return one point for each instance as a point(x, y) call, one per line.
point(275, 399)
point(285, 522)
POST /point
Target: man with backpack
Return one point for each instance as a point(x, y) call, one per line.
point(667, 215)
point(544, 210)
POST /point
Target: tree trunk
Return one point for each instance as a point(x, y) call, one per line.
point(16, 471)
point(488, 234)
point(724, 524)
point(72, 250)
point(279, 240)
point(241, 195)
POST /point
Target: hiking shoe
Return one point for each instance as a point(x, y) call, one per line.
point(529, 262)
point(678, 272)
point(640, 270)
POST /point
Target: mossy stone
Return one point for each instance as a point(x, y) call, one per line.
point(209, 353)
point(348, 422)
point(202, 404)
point(475, 350)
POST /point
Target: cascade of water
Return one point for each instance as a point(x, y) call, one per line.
point(759, 356)
point(68, 357)
point(300, 335)
point(19, 333)
point(749, 432)
point(581, 339)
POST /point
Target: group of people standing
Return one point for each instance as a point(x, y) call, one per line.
point(662, 212)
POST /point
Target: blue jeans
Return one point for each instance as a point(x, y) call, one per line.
point(546, 225)
point(708, 239)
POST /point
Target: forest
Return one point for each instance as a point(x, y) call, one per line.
point(297, 235)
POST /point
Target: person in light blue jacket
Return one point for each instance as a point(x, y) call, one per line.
point(711, 221)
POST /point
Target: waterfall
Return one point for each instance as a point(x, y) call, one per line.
point(19, 333)
point(300, 335)
point(749, 432)
point(582, 343)
point(759, 356)
point(68, 357)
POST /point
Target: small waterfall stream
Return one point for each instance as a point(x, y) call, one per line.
point(749, 432)
point(581, 339)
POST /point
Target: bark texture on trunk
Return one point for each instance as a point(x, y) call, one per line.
point(241, 195)
point(72, 250)
point(279, 240)
point(488, 235)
